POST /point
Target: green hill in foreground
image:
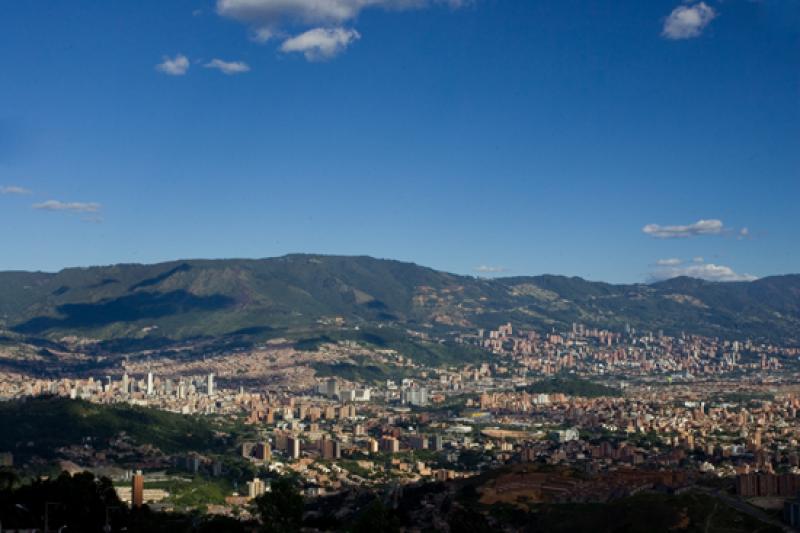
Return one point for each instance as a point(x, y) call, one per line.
point(572, 386)
point(643, 513)
point(150, 305)
point(38, 426)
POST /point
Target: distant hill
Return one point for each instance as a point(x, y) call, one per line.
point(208, 298)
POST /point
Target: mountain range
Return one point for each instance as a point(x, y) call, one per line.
point(207, 298)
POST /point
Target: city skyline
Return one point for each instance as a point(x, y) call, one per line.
point(623, 143)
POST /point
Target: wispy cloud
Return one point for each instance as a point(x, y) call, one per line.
point(688, 21)
point(14, 189)
point(701, 227)
point(489, 269)
point(323, 21)
point(74, 207)
point(321, 43)
point(673, 261)
point(228, 67)
point(174, 66)
point(706, 271)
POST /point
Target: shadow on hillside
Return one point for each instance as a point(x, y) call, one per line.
point(127, 344)
point(144, 305)
point(252, 330)
point(184, 267)
point(103, 282)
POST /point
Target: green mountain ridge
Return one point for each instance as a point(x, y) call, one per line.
point(185, 299)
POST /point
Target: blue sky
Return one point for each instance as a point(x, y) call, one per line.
point(615, 140)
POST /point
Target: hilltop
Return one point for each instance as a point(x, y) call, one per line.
point(259, 298)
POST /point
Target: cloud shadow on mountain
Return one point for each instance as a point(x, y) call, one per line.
point(139, 306)
point(183, 267)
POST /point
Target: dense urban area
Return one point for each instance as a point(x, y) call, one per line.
point(578, 416)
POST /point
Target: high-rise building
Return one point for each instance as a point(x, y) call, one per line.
point(329, 387)
point(390, 444)
point(282, 441)
point(256, 488)
point(330, 449)
point(262, 451)
point(210, 384)
point(302, 412)
point(247, 449)
point(137, 489)
point(418, 442)
point(417, 396)
point(355, 395)
point(293, 447)
point(348, 411)
point(193, 463)
point(149, 383)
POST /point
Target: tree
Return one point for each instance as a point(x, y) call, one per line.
point(376, 517)
point(464, 519)
point(8, 479)
point(280, 509)
point(78, 501)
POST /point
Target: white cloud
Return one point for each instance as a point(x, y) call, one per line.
point(274, 13)
point(701, 227)
point(13, 189)
point(688, 21)
point(262, 35)
point(321, 43)
point(673, 261)
point(270, 18)
point(228, 67)
point(75, 207)
point(706, 271)
point(271, 13)
point(698, 259)
point(175, 66)
point(487, 269)
point(744, 233)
